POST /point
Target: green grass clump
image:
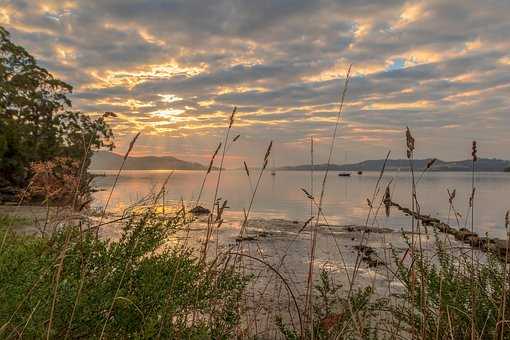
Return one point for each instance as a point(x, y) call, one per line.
point(444, 296)
point(452, 297)
point(12, 221)
point(85, 287)
point(339, 315)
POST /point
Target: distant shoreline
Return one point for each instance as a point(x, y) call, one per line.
point(109, 161)
point(99, 172)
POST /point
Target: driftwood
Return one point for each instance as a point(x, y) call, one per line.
point(487, 244)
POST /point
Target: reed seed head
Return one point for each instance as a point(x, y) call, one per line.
point(431, 162)
point(231, 121)
point(266, 156)
point(410, 143)
point(310, 196)
point(131, 145)
point(246, 169)
point(306, 224)
point(474, 151)
point(213, 157)
point(451, 195)
point(472, 197)
point(387, 201)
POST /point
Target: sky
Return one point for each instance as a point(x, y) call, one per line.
point(175, 69)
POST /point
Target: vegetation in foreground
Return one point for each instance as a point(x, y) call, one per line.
point(445, 299)
point(74, 285)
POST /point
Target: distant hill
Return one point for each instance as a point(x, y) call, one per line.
point(104, 160)
point(483, 164)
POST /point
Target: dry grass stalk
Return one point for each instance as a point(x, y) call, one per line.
point(471, 205)
point(311, 173)
point(415, 227)
point(209, 169)
point(124, 159)
point(56, 284)
point(357, 262)
point(220, 171)
point(309, 290)
point(502, 317)
point(255, 189)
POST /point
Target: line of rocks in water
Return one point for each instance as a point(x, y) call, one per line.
point(487, 244)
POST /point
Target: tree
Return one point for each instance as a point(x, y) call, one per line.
point(36, 120)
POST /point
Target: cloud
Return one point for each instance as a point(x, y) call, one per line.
point(175, 69)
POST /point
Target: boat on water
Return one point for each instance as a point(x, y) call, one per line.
point(360, 172)
point(345, 174)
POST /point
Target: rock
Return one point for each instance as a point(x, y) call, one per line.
point(255, 237)
point(429, 221)
point(369, 256)
point(463, 233)
point(499, 247)
point(365, 250)
point(376, 230)
point(372, 262)
point(246, 238)
point(199, 210)
point(444, 228)
point(485, 243)
point(474, 241)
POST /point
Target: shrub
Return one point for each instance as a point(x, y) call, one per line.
point(339, 315)
point(133, 287)
point(58, 181)
point(441, 297)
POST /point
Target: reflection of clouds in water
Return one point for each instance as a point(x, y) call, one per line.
point(280, 196)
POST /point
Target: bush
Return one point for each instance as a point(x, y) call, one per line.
point(58, 181)
point(338, 315)
point(443, 297)
point(135, 287)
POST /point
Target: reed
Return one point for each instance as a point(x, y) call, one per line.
point(309, 291)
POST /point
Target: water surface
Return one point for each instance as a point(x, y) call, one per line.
point(345, 200)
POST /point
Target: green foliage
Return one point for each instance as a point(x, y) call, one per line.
point(35, 121)
point(338, 315)
point(12, 221)
point(441, 297)
point(154, 289)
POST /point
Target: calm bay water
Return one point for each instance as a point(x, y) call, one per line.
point(345, 201)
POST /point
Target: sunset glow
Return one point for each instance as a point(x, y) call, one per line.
point(174, 70)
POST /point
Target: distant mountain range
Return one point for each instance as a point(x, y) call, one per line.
point(483, 164)
point(104, 160)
